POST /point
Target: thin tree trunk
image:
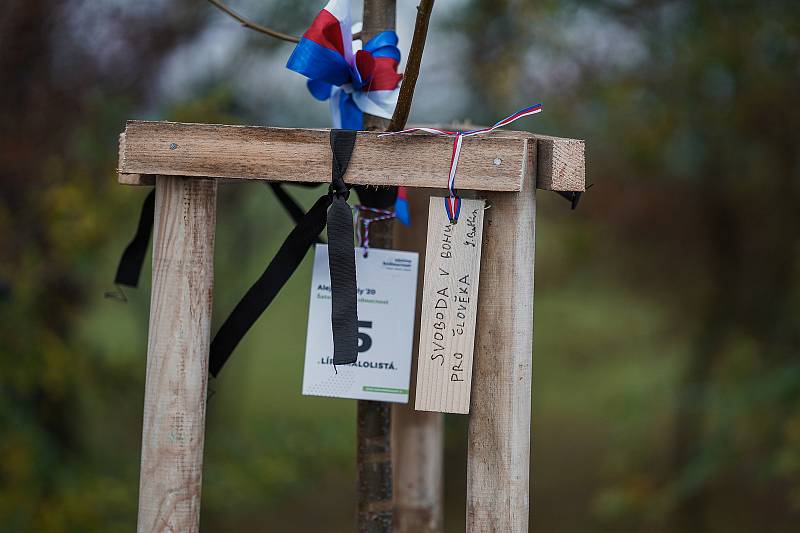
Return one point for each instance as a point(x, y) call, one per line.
point(374, 454)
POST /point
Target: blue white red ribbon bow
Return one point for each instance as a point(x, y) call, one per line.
point(452, 204)
point(356, 81)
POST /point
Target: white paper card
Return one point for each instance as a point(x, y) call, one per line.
point(387, 288)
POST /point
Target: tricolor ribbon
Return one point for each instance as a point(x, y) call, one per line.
point(452, 204)
point(401, 209)
point(362, 222)
point(356, 81)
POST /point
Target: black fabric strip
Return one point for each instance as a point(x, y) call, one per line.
point(573, 197)
point(130, 264)
point(380, 197)
point(342, 144)
point(264, 290)
point(342, 263)
point(344, 319)
point(341, 258)
point(288, 203)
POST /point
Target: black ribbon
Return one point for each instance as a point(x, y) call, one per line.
point(331, 209)
point(573, 197)
point(288, 203)
point(264, 290)
point(130, 264)
point(341, 258)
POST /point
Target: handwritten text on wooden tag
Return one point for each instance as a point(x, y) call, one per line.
point(449, 307)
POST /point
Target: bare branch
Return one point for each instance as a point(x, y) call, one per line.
point(252, 25)
point(411, 73)
point(258, 27)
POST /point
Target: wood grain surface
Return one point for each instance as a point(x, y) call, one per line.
point(449, 307)
point(177, 355)
point(492, 162)
point(500, 413)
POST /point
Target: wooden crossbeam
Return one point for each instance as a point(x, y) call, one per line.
point(493, 162)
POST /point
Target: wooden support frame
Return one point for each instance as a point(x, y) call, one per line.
point(496, 162)
point(190, 159)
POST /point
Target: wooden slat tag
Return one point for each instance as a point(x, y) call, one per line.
point(449, 307)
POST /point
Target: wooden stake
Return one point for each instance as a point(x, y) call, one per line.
point(417, 436)
point(499, 419)
point(177, 355)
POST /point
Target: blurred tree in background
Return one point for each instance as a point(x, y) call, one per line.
point(72, 72)
point(666, 371)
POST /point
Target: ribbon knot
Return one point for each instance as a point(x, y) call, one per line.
point(342, 143)
point(356, 81)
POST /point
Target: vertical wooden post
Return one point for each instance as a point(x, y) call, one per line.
point(500, 408)
point(177, 355)
point(417, 436)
